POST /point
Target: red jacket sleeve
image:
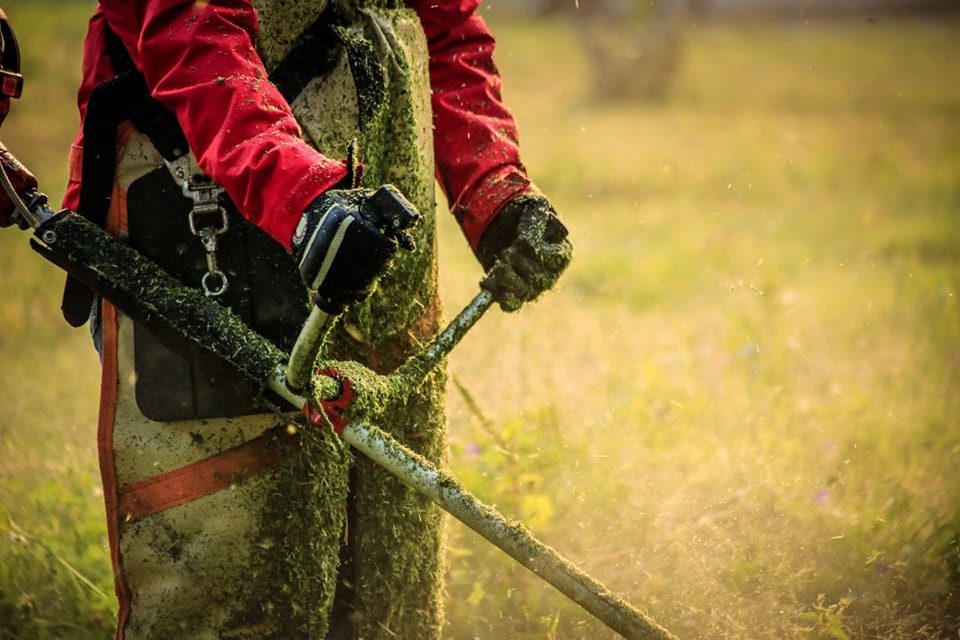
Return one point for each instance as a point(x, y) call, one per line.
point(475, 138)
point(199, 60)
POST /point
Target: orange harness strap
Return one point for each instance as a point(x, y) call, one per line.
point(199, 479)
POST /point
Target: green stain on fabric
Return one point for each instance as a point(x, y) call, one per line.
point(396, 535)
point(281, 23)
point(302, 527)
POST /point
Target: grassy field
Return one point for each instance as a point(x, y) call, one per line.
point(741, 407)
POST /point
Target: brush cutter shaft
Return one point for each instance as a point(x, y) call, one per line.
point(510, 537)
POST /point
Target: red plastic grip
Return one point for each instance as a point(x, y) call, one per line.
point(334, 410)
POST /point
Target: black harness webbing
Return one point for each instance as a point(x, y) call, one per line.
point(123, 97)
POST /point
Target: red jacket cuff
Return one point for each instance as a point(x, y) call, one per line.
point(476, 208)
point(319, 179)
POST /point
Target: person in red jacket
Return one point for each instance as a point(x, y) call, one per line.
point(218, 138)
point(11, 85)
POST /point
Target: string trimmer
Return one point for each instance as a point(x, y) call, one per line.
point(191, 323)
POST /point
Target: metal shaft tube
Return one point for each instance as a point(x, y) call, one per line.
point(511, 537)
point(413, 372)
point(300, 366)
point(185, 317)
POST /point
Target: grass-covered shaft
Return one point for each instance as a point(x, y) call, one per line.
point(512, 537)
point(184, 317)
point(412, 373)
point(305, 350)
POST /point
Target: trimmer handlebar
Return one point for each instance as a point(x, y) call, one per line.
point(23, 184)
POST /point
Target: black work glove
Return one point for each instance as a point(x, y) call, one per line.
point(523, 250)
point(347, 239)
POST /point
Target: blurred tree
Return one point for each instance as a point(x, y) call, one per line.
point(634, 45)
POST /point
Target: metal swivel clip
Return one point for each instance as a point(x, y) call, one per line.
point(208, 219)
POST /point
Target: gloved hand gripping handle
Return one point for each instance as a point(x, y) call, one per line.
point(325, 256)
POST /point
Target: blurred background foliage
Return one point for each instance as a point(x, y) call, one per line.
point(741, 407)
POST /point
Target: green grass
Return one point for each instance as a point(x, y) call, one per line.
point(741, 407)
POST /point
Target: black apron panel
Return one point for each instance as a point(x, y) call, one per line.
point(265, 291)
point(161, 402)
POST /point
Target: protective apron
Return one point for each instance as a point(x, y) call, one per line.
point(237, 525)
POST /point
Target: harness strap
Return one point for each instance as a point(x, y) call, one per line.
point(106, 109)
point(313, 54)
point(204, 477)
point(368, 76)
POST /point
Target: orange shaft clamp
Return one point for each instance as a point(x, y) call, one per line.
point(335, 409)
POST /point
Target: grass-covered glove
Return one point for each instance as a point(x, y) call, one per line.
point(346, 240)
point(523, 250)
